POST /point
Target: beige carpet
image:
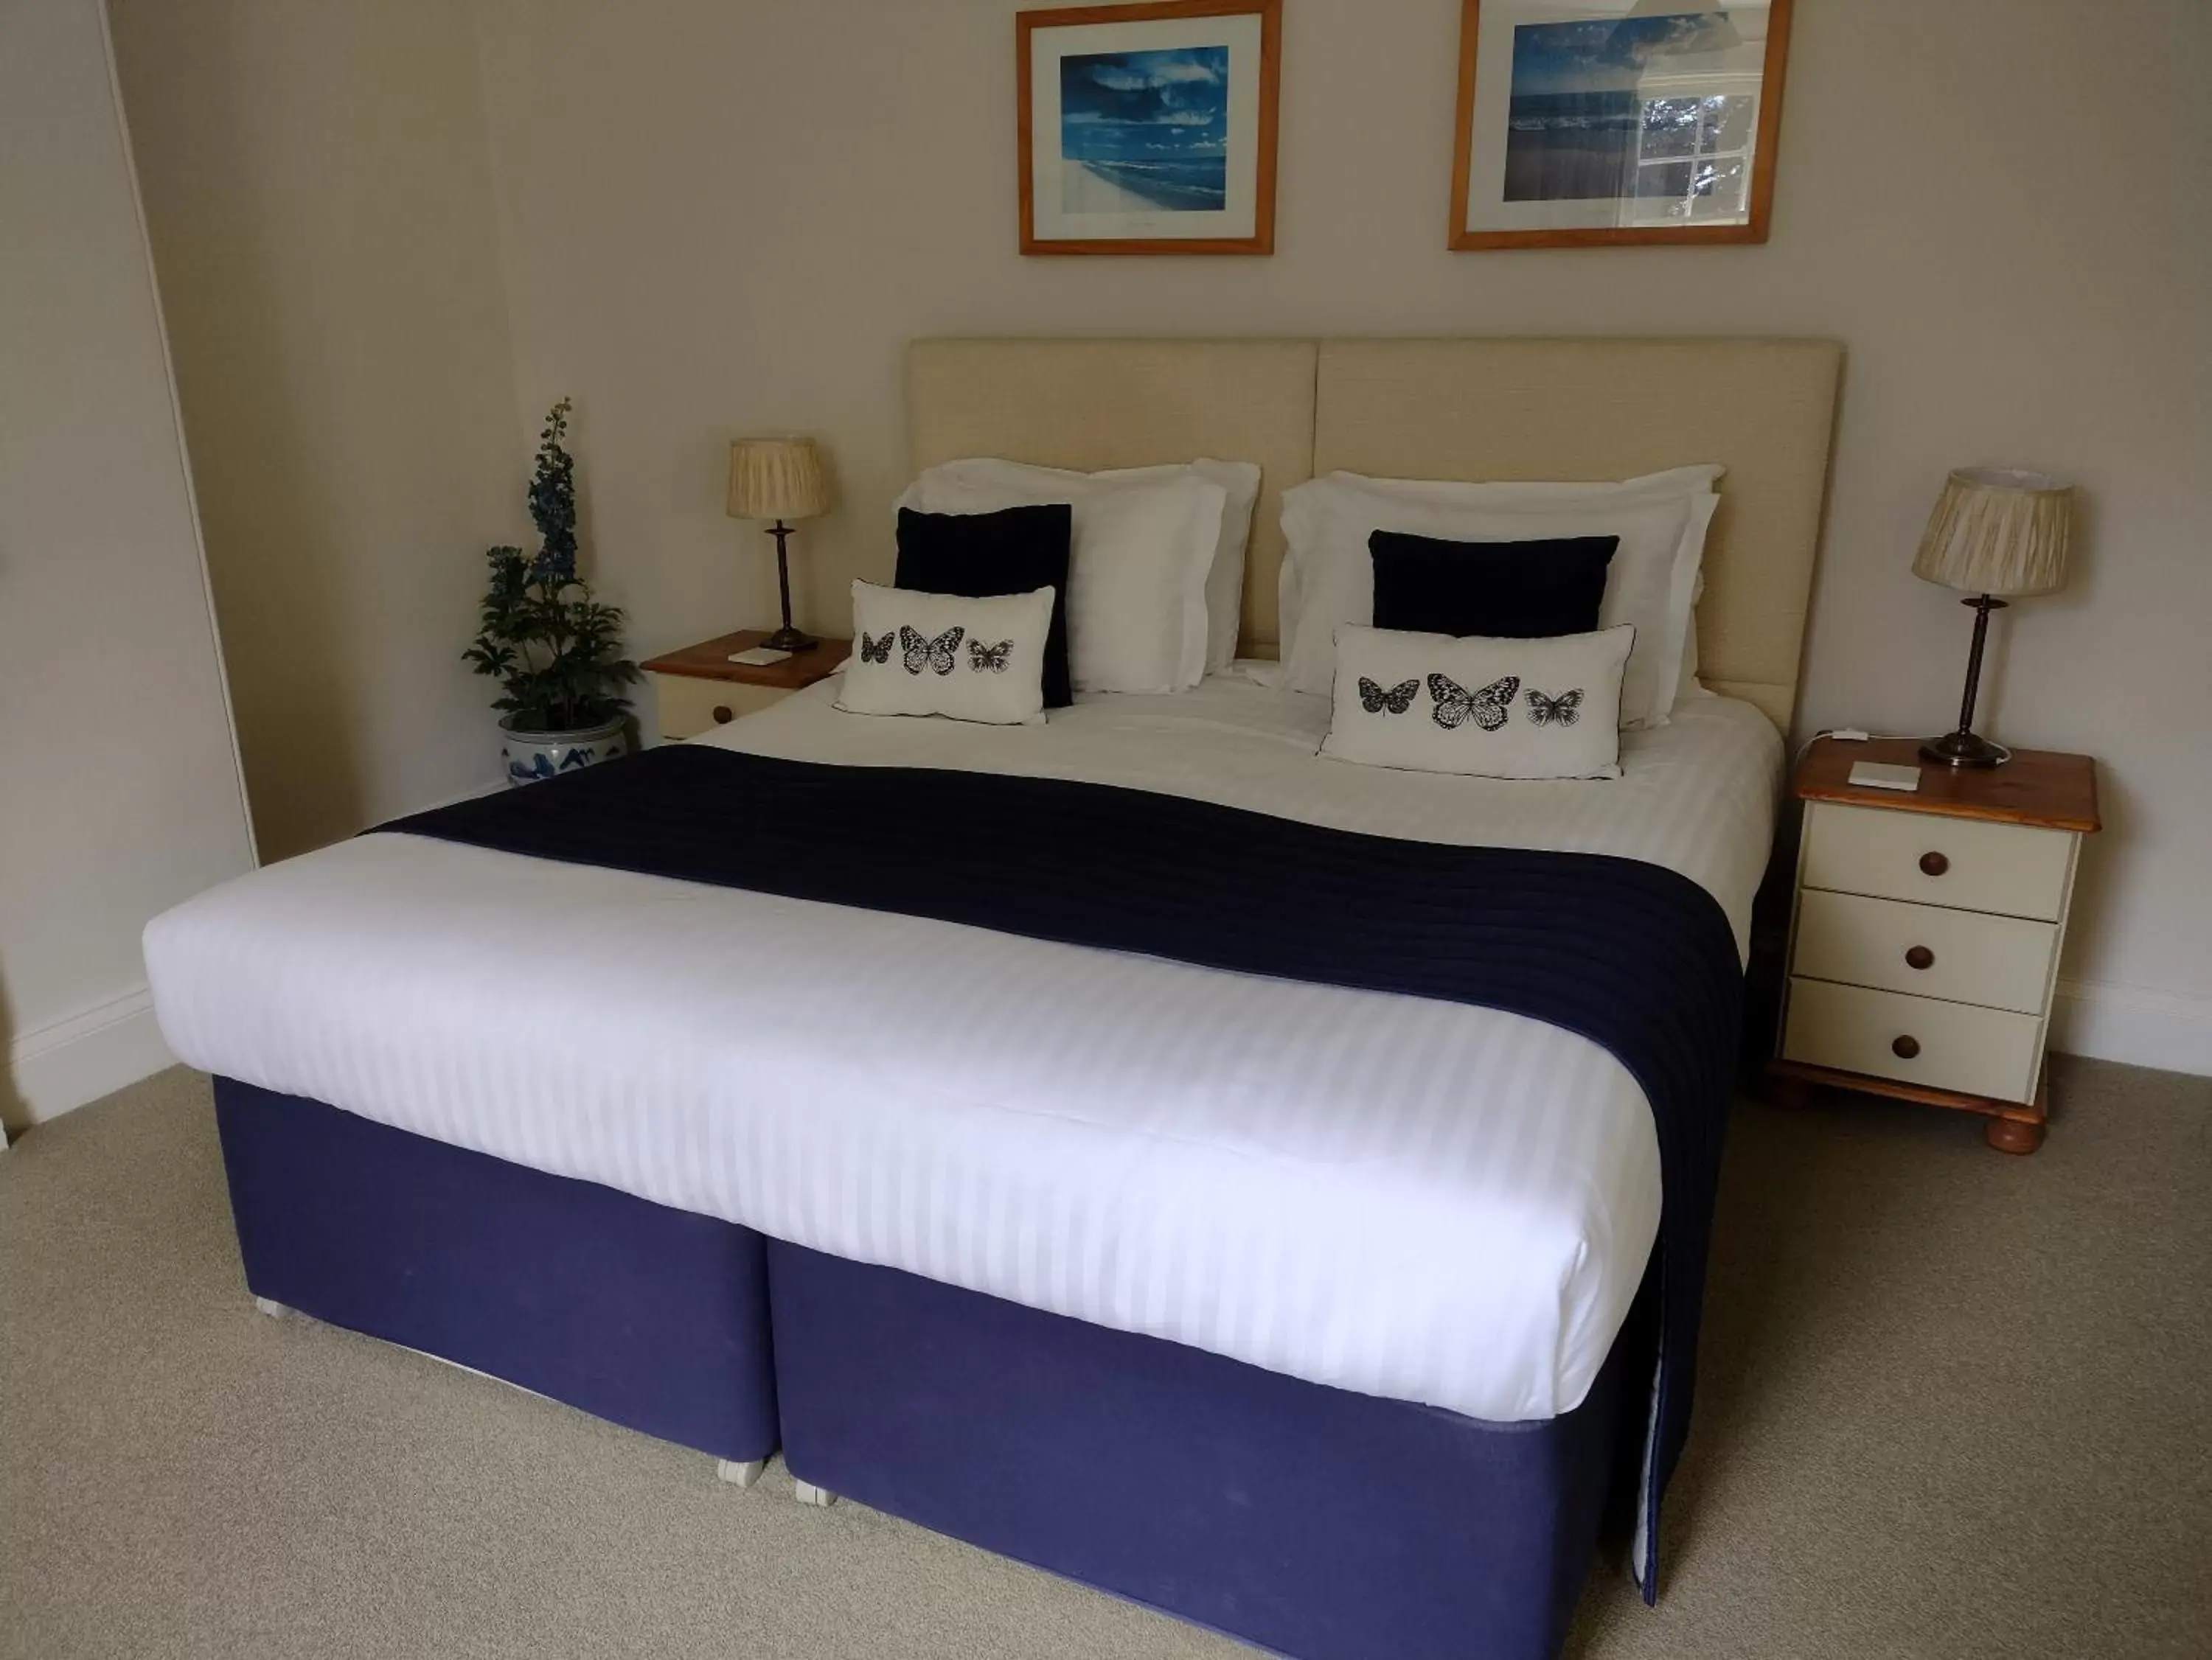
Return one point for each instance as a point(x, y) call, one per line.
point(1953, 1404)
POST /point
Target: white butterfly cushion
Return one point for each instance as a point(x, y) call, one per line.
point(939, 654)
point(1147, 544)
point(1661, 519)
point(1487, 708)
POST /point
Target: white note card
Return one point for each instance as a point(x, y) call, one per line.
point(759, 657)
point(1880, 775)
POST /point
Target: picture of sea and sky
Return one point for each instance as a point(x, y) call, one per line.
point(1581, 129)
point(1144, 132)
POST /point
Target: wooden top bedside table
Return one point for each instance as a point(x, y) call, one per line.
point(699, 687)
point(1926, 929)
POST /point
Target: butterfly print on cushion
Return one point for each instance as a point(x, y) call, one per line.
point(874, 650)
point(1398, 699)
point(934, 655)
point(1457, 705)
point(1564, 710)
point(994, 657)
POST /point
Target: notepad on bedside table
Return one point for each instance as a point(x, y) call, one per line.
point(1880, 775)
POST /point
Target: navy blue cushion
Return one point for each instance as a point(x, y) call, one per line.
point(1016, 550)
point(1500, 590)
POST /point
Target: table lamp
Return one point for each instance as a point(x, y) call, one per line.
point(1997, 533)
point(779, 479)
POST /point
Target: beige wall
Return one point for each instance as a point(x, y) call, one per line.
point(720, 217)
point(315, 179)
point(119, 783)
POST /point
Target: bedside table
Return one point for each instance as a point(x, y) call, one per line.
point(1925, 932)
point(699, 687)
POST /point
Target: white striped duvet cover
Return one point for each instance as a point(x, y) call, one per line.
point(1409, 1198)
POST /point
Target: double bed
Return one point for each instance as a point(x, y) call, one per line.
point(1322, 1314)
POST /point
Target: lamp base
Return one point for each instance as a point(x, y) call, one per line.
point(1964, 749)
point(788, 639)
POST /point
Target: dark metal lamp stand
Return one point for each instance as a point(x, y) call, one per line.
point(788, 639)
point(1966, 747)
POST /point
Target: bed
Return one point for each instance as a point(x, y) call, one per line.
point(1321, 1315)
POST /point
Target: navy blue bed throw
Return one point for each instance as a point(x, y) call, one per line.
point(1633, 956)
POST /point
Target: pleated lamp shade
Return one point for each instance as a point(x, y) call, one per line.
point(1998, 531)
point(777, 478)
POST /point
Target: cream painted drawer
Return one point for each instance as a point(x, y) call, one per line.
point(1952, 1045)
point(2003, 962)
point(690, 706)
point(2011, 869)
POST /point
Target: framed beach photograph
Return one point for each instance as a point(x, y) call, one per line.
point(1149, 129)
point(1597, 122)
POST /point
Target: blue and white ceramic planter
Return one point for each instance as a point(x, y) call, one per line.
point(530, 756)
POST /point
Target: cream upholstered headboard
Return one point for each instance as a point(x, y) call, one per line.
point(1436, 409)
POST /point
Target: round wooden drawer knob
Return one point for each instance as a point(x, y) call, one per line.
point(1920, 957)
point(1905, 1048)
point(722, 718)
point(1934, 864)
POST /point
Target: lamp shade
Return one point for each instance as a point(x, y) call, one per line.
point(1997, 531)
point(777, 478)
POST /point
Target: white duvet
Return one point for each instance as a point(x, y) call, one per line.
point(1408, 1198)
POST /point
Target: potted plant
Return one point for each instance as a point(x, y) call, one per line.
point(555, 652)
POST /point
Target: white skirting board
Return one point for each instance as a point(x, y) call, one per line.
point(67, 1063)
point(2135, 1024)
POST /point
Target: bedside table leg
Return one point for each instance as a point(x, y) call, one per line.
point(2014, 1136)
point(1791, 1094)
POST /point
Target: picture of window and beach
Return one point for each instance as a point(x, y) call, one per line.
point(1611, 108)
point(1144, 131)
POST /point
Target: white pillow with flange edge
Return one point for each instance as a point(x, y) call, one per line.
point(1136, 570)
point(1337, 577)
point(1328, 574)
point(1540, 495)
point(1546, 495)
point(1690, 686)
point(1211, 626)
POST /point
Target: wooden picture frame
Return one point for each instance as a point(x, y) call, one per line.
point(1152, 65)
point(1477, 78)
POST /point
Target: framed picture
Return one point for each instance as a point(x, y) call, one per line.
point(1149, 129)
point(1594, 123)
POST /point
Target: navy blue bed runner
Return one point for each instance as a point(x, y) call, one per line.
point(1633, 956)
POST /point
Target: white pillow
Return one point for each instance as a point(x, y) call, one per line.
point(939, 654)
point(1522, 494)
point(1225, 577)
point(1490, 708)
point(1697, 483)
point(1328, 575)
point(1689, 686)
point(1210, 629)
point(1542, 493)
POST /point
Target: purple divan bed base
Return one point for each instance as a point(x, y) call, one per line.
point(650, 1318)
point(1308, 1520)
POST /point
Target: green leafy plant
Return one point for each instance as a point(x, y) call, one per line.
point(555, 652)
